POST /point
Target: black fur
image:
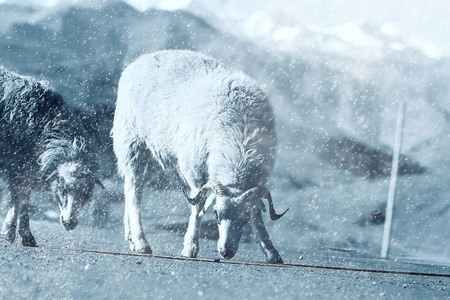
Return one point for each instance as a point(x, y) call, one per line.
point(38, 133)
point(37, 130)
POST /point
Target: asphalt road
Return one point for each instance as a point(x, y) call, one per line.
point(54, 270)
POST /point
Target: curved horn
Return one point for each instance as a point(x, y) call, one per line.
point(220, 190)
point(192, 201)
point(216, 187)
point(197, 198)
point(260, 192)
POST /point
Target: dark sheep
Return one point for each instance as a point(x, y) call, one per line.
point(42, 145)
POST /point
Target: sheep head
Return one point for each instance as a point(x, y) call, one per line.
point(231, 212)
point(72, 186)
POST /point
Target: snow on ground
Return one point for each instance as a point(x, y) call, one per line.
point(328, 83)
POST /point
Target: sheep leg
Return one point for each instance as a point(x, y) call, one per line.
point(126, 223)
point(24, 220)
point(134, 232)
point(272, 255)
point(10, 223)
point(191, 247)
point(247, 228)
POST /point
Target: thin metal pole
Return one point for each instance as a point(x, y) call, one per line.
point(393, 179)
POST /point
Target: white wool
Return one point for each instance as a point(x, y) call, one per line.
point(190, 114)
point(193, 113)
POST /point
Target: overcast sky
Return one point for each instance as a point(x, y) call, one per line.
point(426, 19)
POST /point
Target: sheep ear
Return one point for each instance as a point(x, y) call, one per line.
point(51, 176)
point(99, 183)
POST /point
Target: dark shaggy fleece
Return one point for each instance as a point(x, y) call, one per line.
point(37, 129)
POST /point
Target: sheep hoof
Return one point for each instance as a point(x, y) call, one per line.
point(29, 241)
point(190, 250)
point(275, 259)
point(9, 236)
point(141, 247)
point(145, 250)
point(189, 254)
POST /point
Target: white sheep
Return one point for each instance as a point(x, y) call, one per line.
point(211, 125)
